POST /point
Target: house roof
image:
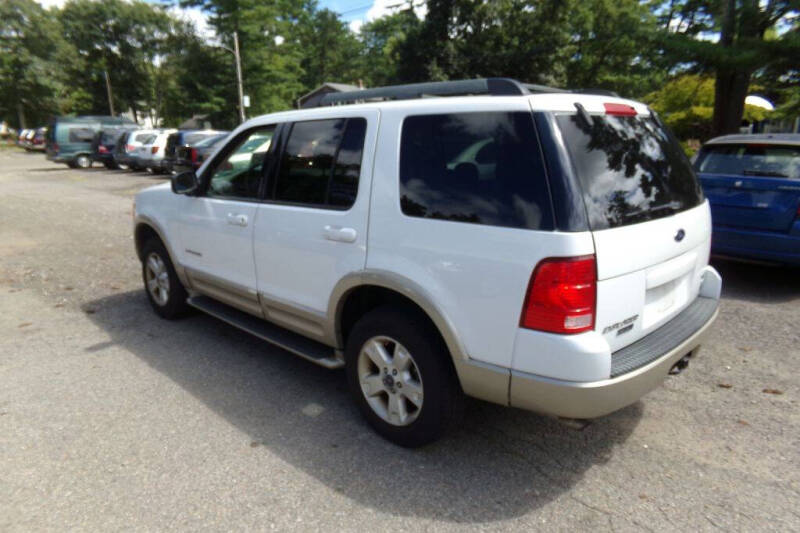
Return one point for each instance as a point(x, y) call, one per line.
point(327, 87)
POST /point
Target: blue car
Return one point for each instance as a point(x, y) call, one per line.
point(753, 185)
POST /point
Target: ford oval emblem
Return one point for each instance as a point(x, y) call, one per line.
point(680, 235)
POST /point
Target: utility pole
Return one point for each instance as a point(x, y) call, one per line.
point(110, 97)
point(238, 75)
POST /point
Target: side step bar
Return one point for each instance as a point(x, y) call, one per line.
point(314, 351)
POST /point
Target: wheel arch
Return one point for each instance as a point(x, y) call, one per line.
point(386, 287)
point(146, 228)
point(480, 380)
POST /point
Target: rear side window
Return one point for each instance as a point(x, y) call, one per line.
point(81, 135)
point(321, 163)
point(630, 168)
point(481, 168)
point(775, 161)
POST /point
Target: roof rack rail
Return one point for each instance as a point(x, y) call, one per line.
point(489, 86)
point(598, 92)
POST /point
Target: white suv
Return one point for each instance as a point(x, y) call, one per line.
point(531, 247)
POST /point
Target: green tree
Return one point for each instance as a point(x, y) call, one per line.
point(732, 40)
point(118, 37)
point(383, 41)
point(686, 104)
point(330, 51)
point(30, 44)
point(270, 42)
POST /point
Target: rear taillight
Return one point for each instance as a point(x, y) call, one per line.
point(130, 147)
point(193, 155)
point(102, 149)
point(562, 295)
point(55, 147)
point(154, 149)
point(622, 110)
point(797, 214)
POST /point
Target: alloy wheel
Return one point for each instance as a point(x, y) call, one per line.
point(390, 380)
point(157, 279)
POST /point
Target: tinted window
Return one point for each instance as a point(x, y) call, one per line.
point(630, 168)
point(777, 161)
point(238, 175)
point(211, 140)
point(81, 135)
point(142, 137)
point(193, 138)
point(322, 163)
point(483, 168)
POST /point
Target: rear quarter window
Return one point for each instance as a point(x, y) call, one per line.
point(80, 135)
point(481, 168)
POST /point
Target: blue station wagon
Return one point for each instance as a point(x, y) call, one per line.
point(753, 185)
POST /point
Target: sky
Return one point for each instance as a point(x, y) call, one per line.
point(354, 12)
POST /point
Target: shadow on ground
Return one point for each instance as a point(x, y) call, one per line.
point(501, 463)
point(758, 283)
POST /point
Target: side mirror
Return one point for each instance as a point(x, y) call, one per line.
point(185, 183)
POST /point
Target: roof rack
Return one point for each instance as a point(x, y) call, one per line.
point(489, 86)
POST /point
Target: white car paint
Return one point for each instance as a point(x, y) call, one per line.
point(476, 274)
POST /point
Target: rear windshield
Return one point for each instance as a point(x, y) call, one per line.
point(144, 138)
point(775, 161)
point(630, 168)
point(211, 140)
point(192, 138)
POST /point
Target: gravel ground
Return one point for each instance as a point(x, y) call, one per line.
point(111, 418)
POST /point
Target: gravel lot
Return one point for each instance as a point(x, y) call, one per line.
point(111, 418)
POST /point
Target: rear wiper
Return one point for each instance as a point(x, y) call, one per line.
point(672, 206)
point(770, 173)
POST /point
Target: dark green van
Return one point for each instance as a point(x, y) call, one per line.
point(69, 139)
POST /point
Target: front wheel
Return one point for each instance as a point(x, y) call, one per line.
point(164, 290)
point(400, 377)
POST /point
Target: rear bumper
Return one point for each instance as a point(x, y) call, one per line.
point(762, 245)
point(597, 398)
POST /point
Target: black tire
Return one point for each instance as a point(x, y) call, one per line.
point(175, 304)
point(110, 165)
point(72, 164)
point(443, 399)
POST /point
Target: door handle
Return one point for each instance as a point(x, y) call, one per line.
point(237, 220)
point(339, 234)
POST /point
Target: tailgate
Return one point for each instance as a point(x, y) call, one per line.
point(648, 273)
point(650, 223)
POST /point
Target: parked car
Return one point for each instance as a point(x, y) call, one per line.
point(25, 139)
point(23, 133)
point(178, 140)
point(753, 185)
point(104, 146)
point(191, 157)
point(69, 139)
point(37, 140)
point(568, 280)
point(125, 151)
point(151, 153)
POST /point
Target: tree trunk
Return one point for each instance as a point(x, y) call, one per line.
point(730, 90)
point(730, 86)
point(20, 115)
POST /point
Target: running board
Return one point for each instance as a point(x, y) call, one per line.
point(314, 351)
